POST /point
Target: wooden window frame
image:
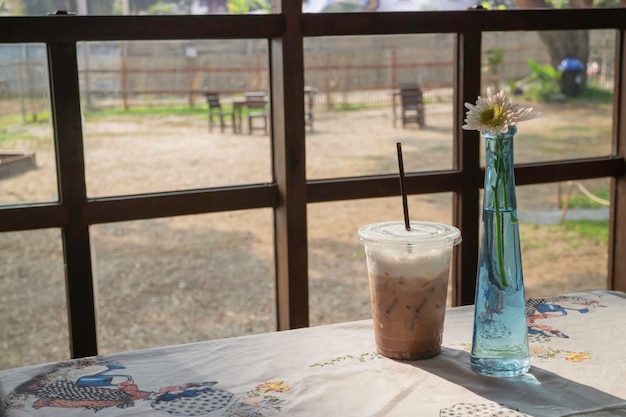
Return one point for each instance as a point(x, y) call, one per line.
point(290, 192)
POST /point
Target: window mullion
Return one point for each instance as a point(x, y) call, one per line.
point(68, 137)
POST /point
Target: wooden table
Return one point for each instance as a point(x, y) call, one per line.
point(238, 105)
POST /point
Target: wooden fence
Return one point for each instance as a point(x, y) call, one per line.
point(346, 71)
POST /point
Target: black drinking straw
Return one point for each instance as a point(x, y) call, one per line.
point(405, 204)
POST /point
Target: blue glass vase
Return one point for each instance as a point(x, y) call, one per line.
point(500, 339)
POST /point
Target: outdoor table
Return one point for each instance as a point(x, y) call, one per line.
point(578, 369)
point(395, 103)
point(238, 105)
point(402, 100)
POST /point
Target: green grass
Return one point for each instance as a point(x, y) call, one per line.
point(581, 201)
point(572, 233)
point(149, 111)
point(6, 137)
point(16, 119)
point(590, 94)
point(349, 107)
point(596, 95)
point(596, 230)
point(11, 126)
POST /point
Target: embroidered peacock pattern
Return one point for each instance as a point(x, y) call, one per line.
point(98, 383)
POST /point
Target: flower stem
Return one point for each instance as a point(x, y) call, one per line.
point(499, 167)
point(500, 248)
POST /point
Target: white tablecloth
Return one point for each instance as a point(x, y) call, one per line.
point(578, 369)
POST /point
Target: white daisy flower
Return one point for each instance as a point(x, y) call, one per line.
point(495, 113)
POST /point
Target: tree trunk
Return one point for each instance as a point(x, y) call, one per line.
point(563, 43)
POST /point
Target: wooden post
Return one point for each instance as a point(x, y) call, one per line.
point(67, 120)
point(394, 69)
point(617, 220)
point(288, 142)
point(467, 159)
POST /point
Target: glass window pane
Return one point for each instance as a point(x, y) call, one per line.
point(338, 282)
point(27, 155)
point(343, 6)
point(146, 115)
point(574, 95)
point(361, 84)
point(109, 8)
point(564, 236)
point(33, 305)
point(184, 279)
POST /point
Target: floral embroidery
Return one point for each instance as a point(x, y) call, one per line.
point(543, 352)
point(538, 310)
point(466, 347)
point(277, 386)
point(256, 403)
point(363, 357)
point(480, 410)
point(577, 356)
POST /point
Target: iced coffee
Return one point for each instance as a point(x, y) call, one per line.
point(408, 275)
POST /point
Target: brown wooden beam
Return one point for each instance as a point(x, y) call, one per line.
point(103, 28)
point(573, 169)
point(474, 21)
point(466, 214)
point(617, 218)
point(32, 216)
point(288, 147)
point(180, 203)
point(68, 139)
point(335, 189)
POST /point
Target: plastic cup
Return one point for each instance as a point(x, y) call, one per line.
point(408, 276)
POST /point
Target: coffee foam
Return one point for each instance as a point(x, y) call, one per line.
point(407, 262)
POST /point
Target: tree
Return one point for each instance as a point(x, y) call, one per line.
point(563, 44)
point(43, 7)
point(567, 43)
point(11, 8)
point(247, 6)
point(344, 6)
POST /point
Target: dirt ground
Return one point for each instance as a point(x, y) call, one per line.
point(191, 278)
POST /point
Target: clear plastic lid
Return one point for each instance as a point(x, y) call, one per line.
point(427, 234)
